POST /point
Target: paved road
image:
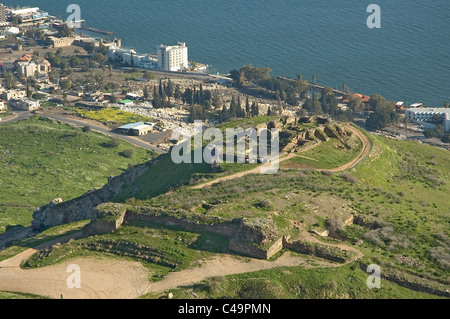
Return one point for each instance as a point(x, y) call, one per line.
point(102, 129)
point(19, 116)
point(22, 115)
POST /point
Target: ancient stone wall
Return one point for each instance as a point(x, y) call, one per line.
point(82, 208)
point(227, 229)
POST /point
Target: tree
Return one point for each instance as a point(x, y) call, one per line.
point(429, 133)
point(439, 130)
point(146, 93)
point(169, 89)
point(446, 105)
point(255, 75)
point(65, 84)
point(100, 58)
point(446, 138)
point(317, 107)
point(377, 102)
point(65, 31)
point(149, 75)
point(233, 108)
point(89, 47)
point(238, 78)
point(247, 107)
point(10, 81)
point(177, 94)
point(76, 51)
point(35, 55)
point(196, 113)
point(381, 118)
point(255, 109)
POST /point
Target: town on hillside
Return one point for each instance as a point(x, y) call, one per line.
point(49, 67)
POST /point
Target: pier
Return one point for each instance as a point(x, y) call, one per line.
point(83, 27)
point(316, 86)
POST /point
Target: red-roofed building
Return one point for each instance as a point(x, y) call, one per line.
point(364, 98)
point(26, 57)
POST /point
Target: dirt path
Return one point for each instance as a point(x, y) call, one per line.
point(99, 278)
point(229, 265)
point(108, 278)
point(118, 279)
point(256, 170)
point(366, 146)
point(308, 237)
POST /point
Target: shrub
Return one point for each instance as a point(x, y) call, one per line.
point(441, 256)
point(332, 285)
point(334, 224)
point(386, 236)
point(86, 129)
point(127, 153)
point(349, 178)
point(266, 203)
point(256, 290)
point(114, 142)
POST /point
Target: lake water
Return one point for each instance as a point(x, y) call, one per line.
point(407, 59)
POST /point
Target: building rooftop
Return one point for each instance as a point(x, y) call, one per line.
point(131, 125)
point(126, 101)
point(430, 110)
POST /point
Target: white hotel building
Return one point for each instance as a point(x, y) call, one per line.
point(426, 115)
point(173, 58)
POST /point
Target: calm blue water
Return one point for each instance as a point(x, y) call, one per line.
point(408, 59)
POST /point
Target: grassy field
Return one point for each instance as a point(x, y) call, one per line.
point(112, 116)
point(347, 282)
point(42, 161)
point(401, 188)
point(159, 249)
point(18, 295)
point(326, 155)
point(398, 195)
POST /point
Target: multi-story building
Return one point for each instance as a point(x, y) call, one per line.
point(28, 14)
point(173, 58)
point(33, 68)
point(130, 57)
point(25, 104)
point(3, 16)
point(427, 114)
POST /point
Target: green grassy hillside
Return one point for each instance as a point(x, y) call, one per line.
point(398, 197)
point(42, 160)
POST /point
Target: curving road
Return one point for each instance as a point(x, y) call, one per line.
point(95, 126)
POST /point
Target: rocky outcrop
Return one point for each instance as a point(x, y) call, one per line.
point(222, 227)
point(319, 250)
point(321, 135)
point(82, 208)
point(107, 219)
